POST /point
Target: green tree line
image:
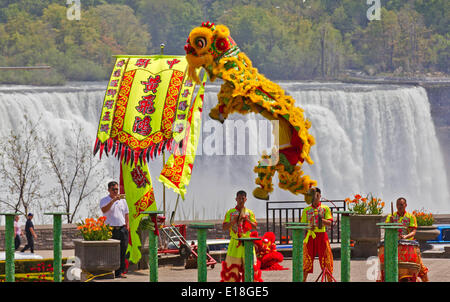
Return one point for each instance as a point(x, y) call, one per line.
point(285, 39)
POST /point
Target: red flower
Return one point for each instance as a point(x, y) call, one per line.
point(222, 44)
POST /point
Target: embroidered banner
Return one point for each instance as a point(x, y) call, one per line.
point(177, 171)
point(140, 197)
point(147, 99)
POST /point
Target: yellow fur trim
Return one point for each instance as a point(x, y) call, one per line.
point(221, 31)
point(196, 62)
point(201, 32)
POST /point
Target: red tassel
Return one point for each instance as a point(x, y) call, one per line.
point(117, 148)
point(102, 146)
point(96, 146)
point(152, 151)
point(121, 182)
point(128, 155)
point(136, 156)
point(160, 148)
point(144, 158)
point(122, 152)
point(169, 144)
point(109, 144)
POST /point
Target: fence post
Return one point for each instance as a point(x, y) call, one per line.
point(153, 246)
point(248, 245)
point(345, 245)
point(57, 245)
point(9, 246)
point(390, 250)
point(298, 234)
point(202, 229)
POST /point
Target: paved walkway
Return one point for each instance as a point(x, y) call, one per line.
point(360, 271)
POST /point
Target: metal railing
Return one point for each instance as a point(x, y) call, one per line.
point(291, 211)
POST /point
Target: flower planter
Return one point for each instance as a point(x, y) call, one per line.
point(97, 257)
point(143, 262)
point(366, 234)
point(425, 233)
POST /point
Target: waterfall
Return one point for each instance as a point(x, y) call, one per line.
point(376, 139)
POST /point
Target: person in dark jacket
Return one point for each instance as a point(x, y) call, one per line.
point(29, 233)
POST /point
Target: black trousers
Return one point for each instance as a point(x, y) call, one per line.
point(30, 244)
point(122, 235)
point(16, 242)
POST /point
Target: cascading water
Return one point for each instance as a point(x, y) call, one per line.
point(376, 139)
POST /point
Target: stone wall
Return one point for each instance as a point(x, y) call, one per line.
point(69, 232)
point(44, 241)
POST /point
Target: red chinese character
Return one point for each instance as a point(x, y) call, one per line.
point(146, 105)
point(116, 73)
point(185, 93)
point(109, 104)
point(104, 128)
point(173, 62)
point(139, 177)
point(142, 126)
point(152, 84)
point(142, 62)
point(120, 63)
point(106, 116)
point(182, 106)
point(111, 92)
point(114, 83)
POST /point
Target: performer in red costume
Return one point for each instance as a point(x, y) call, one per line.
point(318, 216)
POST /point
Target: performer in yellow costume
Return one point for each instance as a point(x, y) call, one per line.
point(409, 222)
point(245, 90)
point(239, 221)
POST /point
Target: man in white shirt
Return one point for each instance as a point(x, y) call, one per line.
point(115, 208)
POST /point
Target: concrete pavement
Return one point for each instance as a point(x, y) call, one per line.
point(360, 271)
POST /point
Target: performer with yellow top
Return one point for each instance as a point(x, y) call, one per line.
point(239, 221)
point(409, 222)
point(316, 242)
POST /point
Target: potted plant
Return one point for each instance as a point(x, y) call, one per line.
point(145, 225)
point(425, 229)
point(367, 212)
point(98, 253)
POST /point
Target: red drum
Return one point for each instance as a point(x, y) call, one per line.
point(408, 259)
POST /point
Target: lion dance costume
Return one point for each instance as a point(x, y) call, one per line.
point(266, 252)
point(244, 91)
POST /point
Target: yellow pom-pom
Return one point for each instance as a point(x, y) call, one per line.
point(221, 31)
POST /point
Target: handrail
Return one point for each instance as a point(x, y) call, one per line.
point(290, 211)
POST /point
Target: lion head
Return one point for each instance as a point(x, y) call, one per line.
point(206, 45)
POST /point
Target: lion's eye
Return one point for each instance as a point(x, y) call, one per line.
point(200, 42)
